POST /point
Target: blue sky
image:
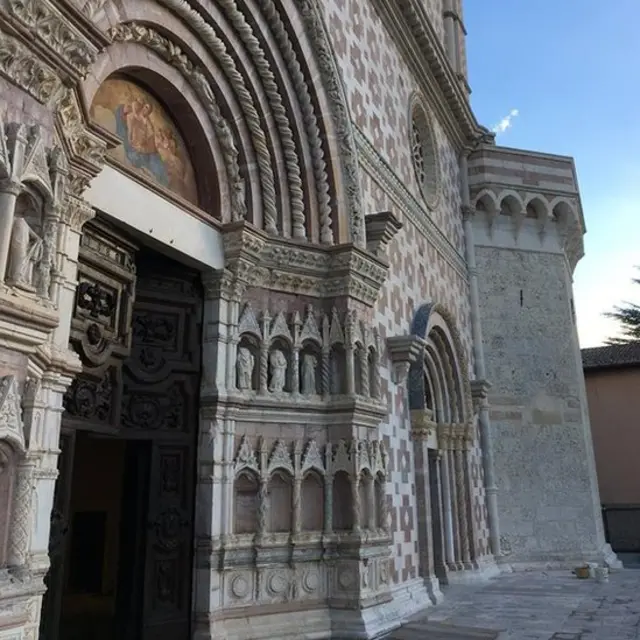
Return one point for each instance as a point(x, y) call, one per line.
point(571, 69)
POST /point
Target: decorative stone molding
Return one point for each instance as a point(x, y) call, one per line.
point(382, 227)
point(146, 36)
point(22, 67)
point(42, 21)
point(414, 209)
point(316, 30)
point(409, 25)
point(11, 427)
point(423, 425)
point(403, 350)
point(479, 393)
point(259, 260)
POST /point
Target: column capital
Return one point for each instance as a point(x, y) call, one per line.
point(10, 186)
point(467, 211)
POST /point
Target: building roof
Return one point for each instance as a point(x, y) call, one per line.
point(611, 356)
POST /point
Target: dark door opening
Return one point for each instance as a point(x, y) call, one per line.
point(125, 543)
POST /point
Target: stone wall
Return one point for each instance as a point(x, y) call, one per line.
point(544, 461)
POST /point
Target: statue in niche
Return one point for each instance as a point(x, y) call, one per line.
point(25, 251)
point(309, 364)
point(245, 364)
point(278, 363)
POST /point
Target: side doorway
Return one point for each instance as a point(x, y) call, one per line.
point(122, 527)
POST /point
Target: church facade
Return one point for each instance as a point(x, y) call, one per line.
point(287, 342)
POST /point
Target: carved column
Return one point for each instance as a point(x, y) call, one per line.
point(9, 191)
point(355, 500)
point(371, 500)
point(297, 487)
point(364, 372)
point(461, 491)
point(19, 534)
point(443, 443)
point(455, 516)
point(264, 355)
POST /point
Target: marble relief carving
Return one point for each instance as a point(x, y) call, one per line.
point(312, 356)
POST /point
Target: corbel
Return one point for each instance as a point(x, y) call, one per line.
point(404, 350)
point(381, 228)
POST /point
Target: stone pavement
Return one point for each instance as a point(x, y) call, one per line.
point(534, 606)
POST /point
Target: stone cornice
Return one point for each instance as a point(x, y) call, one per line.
point(257, 259)
point(413, 33)
point(378, 168)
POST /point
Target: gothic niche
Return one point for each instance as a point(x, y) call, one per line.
point(374, 373)
point(26, 267)
point(310, 368)
point(7, 478)
point(367, 502)
point(247, 374)
point(338, 367)
point(279, 366)
point(312, 505)
point(342, 502)
point(247, 502)
point(279, 507)
point(381, 502)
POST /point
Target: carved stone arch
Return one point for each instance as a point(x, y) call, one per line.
point(11, 425)
point(131, 62)
point(510, 203)
point(487, 202)
point(432, 317)
point(295, 32)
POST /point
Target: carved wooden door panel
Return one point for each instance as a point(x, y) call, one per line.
point(161, 382)
point(58, 539)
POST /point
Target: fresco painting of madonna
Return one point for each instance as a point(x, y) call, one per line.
point(151, 143)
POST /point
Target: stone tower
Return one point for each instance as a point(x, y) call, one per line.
point(528, 229)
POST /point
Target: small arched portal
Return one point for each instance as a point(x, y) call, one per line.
point(439, 400)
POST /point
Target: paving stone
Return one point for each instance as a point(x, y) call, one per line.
point(534, 606)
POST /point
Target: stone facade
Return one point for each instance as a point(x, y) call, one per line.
point(322, 354)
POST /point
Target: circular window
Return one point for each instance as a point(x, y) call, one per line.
point(425, 155)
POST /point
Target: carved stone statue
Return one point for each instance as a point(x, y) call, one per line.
point(24, 252)
point(278, 363)
point(245, 364)
point(309, 364)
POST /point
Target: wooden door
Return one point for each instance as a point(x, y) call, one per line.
point(58, 541)
point(161, 380)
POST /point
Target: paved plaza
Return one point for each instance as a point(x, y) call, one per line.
point(534, 606)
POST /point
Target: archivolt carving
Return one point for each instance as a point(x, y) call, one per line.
point(141, 34)
point(279, 113)
point(313, 131)
point(265, 161)
point(326, 61)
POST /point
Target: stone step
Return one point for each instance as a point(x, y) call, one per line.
point(425, 630)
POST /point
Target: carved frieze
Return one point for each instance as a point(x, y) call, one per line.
point(45, 23)
point(25, 69)
point(11, 426)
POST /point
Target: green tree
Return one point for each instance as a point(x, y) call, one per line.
point(628, 317)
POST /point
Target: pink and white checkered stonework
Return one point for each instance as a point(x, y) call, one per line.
point(287, 341)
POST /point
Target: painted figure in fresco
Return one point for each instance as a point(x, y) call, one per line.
point(167, 146)
point(138, 135)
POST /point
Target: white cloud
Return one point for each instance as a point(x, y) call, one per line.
point(506, 122)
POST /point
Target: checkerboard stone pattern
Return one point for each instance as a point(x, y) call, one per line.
point(379, 88)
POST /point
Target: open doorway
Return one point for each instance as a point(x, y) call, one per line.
point(108, 502)
point(122, 527)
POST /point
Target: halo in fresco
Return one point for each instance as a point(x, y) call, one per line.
point(151, 143)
